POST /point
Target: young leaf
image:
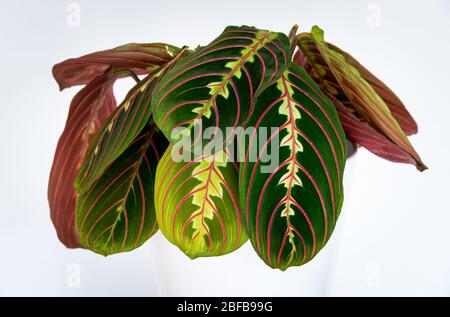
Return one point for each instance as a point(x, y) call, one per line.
point(363, 134)
point(88, 111)
point(219, 82)
point(356, 88)
point(291, 210)
point(395, 105)
point(117, 213)
point(197, 204)
point(138, 58)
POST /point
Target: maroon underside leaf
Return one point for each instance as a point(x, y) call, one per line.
point(301, 60)
point(395, 105)
point(123, 126)
point(362, 94)
point(138, 58)
point(88, 111)
point(363, 134)
point(90, 108)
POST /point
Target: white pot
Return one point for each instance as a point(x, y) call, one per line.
point(243, 273)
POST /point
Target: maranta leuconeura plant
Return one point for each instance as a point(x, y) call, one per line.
point(242, 139)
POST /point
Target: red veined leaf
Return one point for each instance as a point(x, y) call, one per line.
point(197, 204)
point(358, 90)
point(216, 86)
point(138, 58)
point(117, 213)
point(88, 110)
point(363, 134)
point(120, 130)
point(291, 208)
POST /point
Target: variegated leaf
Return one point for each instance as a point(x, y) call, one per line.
point(197, 204)
point(291, 211)
point(89, 109)
point(356, 88)
point(135, 57)
point(123, 126)
point(117, 213)
point(121, 129)
point(218, 83)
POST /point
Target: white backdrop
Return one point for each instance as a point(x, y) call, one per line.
point(395, 237)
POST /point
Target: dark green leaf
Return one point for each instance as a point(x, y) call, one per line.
point(219, 82)
point(291, 210)
point(117, 213)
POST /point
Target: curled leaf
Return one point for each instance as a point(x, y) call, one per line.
point(362, 133)
point(138, 58)
point(395, 105)
point(362, 93)
point(88, 111)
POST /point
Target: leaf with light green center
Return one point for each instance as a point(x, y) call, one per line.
point(291, 211)
point(218, 83)
point(197, 204)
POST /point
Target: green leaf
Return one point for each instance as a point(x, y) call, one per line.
point(121, 129)
point(291, 210)
point(89, 109)
point(117, 133)
point(219, 82)
point(197, 204)
point(317, 33)
point(117, 213)
point(361, 92)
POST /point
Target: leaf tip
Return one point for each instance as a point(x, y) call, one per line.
point(421, 167)
point(318, 33)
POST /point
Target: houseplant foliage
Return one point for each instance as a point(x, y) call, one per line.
point(278, 206)
point(119, 172)
point(197, 204)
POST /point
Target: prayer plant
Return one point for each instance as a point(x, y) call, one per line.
point(245, 138)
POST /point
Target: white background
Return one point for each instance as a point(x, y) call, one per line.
point(395, 226)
